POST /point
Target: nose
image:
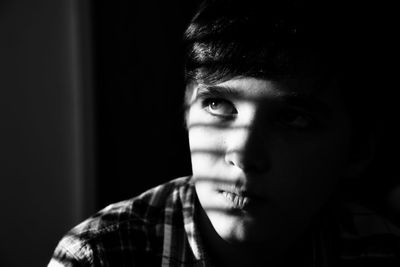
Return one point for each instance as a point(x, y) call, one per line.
point(249, 164)
point(234, 158)
point(248, 152)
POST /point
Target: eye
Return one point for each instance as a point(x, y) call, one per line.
point(219, 107)
point(296, 120)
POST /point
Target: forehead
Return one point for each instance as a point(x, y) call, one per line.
point(247, 88)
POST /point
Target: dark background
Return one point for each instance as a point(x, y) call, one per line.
point(90, 113)
point(138, 74)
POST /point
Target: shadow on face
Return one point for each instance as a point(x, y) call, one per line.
point(280, 147)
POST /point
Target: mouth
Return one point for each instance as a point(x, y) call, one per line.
point(236, 201)
point(240, 200)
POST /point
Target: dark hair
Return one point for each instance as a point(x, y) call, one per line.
point(269, 39)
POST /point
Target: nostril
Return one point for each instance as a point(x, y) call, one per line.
point(246, 164)
point(234, 158)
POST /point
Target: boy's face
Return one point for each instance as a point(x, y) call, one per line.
point(266, 155)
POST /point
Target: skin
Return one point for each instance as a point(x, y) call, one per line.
point(266, 156)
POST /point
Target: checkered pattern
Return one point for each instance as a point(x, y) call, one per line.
point(153, 229)
point(158, 228)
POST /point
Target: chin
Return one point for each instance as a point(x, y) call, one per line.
point(235, 228)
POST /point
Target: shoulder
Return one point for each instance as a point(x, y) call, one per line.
point(145, 209)
point(133, 227)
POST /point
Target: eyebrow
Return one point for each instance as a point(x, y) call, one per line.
point(220, 91)
point(295, 99)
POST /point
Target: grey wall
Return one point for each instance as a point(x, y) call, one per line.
point(45, 124)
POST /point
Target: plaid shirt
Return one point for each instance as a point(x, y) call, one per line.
point(158, 228)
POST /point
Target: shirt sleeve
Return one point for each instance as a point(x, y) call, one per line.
point(71, 251)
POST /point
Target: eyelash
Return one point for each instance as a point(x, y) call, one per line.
point(207, 103)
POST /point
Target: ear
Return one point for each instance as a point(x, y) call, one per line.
point(362, 153)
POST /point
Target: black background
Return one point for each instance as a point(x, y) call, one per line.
point(140, 134)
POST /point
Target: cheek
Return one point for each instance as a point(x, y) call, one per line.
point(328, 157)
point(303, 180)
point(326, 151)
point(308, 169)
point(206, 140)
point(331, 152)
point(206, 148)
point(203, 138)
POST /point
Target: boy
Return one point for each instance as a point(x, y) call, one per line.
point(276, 145)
